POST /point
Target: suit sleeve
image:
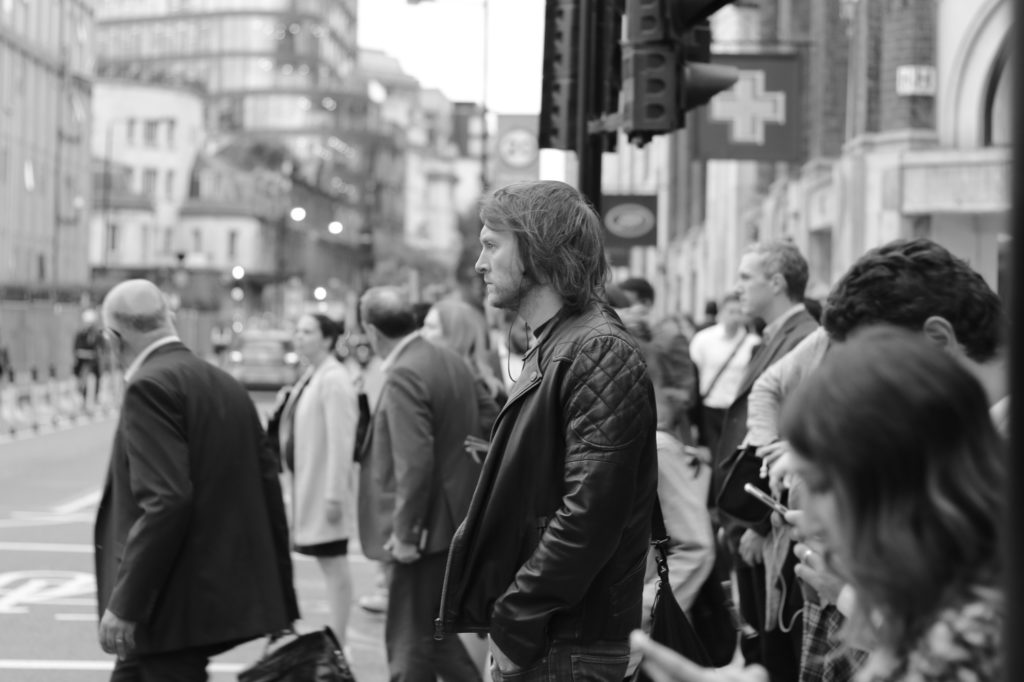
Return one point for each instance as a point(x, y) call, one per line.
point(341, 415)
point(608, 406)
point(161, 485)
point(412, 449)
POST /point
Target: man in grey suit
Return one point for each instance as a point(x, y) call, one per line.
point(415, 483)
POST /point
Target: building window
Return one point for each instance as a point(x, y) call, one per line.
point(197, 240)
point(149, 133)
point(149, 182)
point(168, 240)
point(112, 237)
point(172, 131)
point(41, 267)
point(169, 185)
point(129, 131)
point(232, 245)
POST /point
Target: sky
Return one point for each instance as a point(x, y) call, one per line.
point(440, 43)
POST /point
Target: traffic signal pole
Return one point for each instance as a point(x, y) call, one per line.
point(588, 145)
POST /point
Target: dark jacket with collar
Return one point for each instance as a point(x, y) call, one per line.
point(734, 429)
point(191, 536)
point(555, 543)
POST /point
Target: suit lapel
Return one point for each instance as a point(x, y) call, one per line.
point(767, 355)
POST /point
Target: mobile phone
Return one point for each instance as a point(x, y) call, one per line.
point(766, 499)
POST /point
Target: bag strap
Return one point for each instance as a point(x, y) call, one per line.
point(725, 365)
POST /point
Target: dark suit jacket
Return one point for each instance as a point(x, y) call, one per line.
point(416, 478)
point(191, 536)
point(734, 428)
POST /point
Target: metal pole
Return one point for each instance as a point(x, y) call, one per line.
point(484, 138)
point(588, 147)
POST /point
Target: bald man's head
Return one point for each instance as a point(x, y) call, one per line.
point(389, 310)
point(137, 308)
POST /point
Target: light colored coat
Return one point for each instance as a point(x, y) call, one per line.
point(324, 432)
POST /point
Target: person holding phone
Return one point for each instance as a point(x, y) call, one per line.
point(905, 471)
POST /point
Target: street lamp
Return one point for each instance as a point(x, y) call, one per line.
point(298, 214)
point(320, 294)
point(335, 227)
point(238, 272)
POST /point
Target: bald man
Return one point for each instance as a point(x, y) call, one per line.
point(415, 483)
point(191, 537)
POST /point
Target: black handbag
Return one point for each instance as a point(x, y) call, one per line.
point(735, 503)
point(670, 625)
point(312, 657)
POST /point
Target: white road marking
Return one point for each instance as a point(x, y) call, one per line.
point(33, 664)
point(89, 617)
point(64, 547)
point(88, 549)
point(80, 503)
point(22, 589)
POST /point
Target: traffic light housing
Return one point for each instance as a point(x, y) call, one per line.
point(559, 83)
point(666, 69)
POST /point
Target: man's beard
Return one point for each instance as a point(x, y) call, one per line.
point(512, 299)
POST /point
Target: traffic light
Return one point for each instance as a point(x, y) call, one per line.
point(699, 79)
point(558, 88)
point(665, 65)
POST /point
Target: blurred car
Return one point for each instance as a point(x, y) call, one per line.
point(263, 360)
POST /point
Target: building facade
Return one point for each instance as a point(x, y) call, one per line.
point(907, 111)
point(46, 65)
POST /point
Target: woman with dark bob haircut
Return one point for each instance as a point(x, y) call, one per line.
point(905, 476)
point(906, 479)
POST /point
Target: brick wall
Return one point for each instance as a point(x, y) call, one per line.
point(909, 28)
point(828, 53)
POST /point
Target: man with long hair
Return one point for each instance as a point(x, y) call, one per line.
point(550, 559)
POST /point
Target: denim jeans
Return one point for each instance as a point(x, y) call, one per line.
point(574, 662)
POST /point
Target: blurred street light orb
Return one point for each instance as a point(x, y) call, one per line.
point(237, 295)
point(238, 272)
point(320, 293)
point(335, 227)
point(298, 214)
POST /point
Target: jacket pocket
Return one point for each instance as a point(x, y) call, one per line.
point(627, 593)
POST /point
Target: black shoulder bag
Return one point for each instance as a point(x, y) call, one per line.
point(710, 639)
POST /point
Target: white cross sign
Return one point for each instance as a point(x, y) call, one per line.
point(748, 107)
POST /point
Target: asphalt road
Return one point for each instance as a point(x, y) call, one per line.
point(49, 488)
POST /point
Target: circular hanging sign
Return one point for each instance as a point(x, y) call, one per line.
point(518, 147)
point(630, 221)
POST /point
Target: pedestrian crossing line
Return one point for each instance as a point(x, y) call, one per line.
point(80, 503)
point(69, 548)
point(90, 666)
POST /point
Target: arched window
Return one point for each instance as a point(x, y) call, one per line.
point(999, 101)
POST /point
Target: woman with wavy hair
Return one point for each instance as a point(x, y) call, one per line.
point(905, 476)
point(462, 328)
point(906, 488)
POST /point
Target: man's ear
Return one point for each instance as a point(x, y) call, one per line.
point(940, 332)
point(778, 283)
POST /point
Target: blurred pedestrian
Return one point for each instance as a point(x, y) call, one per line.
point(721, 354)
point(462, 328)
point(772, 279)
point(318, 438)
point(672, 334)
point(683, 483)
point(191, 537)
point(416, 480)
point(88, 349)
point(551, 557)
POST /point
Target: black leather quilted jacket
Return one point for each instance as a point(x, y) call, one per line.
point(555, 542)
